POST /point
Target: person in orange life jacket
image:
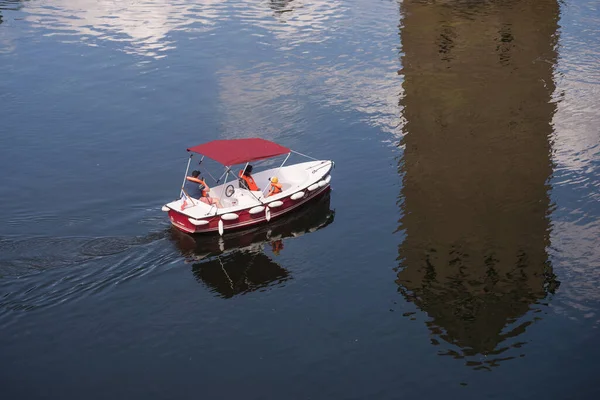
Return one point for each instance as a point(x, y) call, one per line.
point(246, 181)
point(275, 187)
point(200, 189)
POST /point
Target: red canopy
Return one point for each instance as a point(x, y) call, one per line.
point(239, 151)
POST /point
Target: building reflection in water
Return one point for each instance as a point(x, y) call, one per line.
point(478, 80)
point(237, 263)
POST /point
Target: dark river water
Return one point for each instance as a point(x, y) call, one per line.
point(458, 255)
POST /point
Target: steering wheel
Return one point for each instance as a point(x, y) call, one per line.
point(229, 191)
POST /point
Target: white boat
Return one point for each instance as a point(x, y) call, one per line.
point(240, 207)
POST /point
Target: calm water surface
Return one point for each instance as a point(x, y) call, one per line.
point(457, 255)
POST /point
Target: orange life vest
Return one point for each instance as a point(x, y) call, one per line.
point(275, 189)
point(249, 181)
point(204, 186)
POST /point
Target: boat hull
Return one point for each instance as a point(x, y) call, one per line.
point(245, 219)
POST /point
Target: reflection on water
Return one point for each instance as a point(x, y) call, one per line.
point(238, 263)
point(475, 204)
point(353, 74)
point(9, 5)
point(315, 47)
point(143, 27)
point(576, 157)
point(281, 7)
point(483, 238)
point(240, 272)
point(292, 22)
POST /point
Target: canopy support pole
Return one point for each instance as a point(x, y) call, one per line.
point(226, 173)
point(288, 156)
point(221, 177)
point(208, 172)
point(304, 155)
point(213, 178)
point(250, 191)
point(184, 176)
point(244, 170)
point(278, 169)
point(189, 197)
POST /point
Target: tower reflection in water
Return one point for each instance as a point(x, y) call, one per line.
point(478, 80)
point(237, 263)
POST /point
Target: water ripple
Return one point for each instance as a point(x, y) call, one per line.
point(576, 155)
point(295, 22)
point(344, 56)
point(67, 269)
point(143, 27)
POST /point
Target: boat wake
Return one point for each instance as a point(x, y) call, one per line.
point(39, 272)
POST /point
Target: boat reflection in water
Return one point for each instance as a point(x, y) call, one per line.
point(241, 262)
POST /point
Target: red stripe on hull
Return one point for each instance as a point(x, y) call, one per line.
point(181, 221)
